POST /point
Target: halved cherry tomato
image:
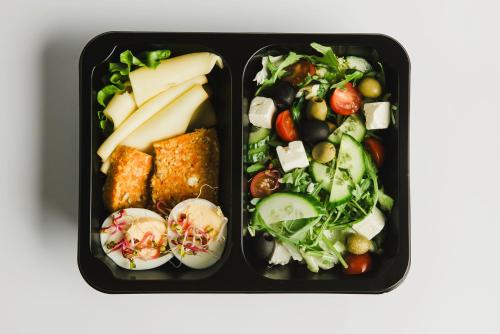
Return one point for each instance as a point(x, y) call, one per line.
point(298, 72)
point(265, 183)
point(358, 264)
point(346, 100)
point(376, 149)
point(285, 128)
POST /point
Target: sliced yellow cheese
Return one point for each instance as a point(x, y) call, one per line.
point(145, 112)
point(105, 166)
point(203, 117)
point(119, 108)
point(147, 82)
point(171, 121)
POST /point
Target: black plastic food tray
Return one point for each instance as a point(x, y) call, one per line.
point(237, 271)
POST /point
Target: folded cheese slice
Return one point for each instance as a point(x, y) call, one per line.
point(171, 121)
point(119, 108)
point(144, 113)
point(147, 82)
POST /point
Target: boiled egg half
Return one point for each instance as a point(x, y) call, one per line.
point(136, 239)
point(197, 231)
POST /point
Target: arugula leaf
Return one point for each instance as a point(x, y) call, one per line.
point(331, 247)
point(278, 71)
point(348, 78)
point(360, 189)
point(329, 58)
point(296, 180)
point(297, 109)
point(270, 65)
point(302, 232)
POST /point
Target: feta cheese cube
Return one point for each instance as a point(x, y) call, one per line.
point(378, 115)
point(261, 112)
point(293, 156)
point(371, 225)
point(281, 255)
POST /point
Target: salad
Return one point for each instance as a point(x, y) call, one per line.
point(312, 159)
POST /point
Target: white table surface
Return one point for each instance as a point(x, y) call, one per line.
point(453, 283)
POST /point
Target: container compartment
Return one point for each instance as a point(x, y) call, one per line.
point(219, 81)
point(295, 270)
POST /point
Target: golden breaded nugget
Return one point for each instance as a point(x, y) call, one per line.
point(127, 180)
point(186, 166)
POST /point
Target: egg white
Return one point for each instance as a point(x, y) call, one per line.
point(215, 247)
point(117, 256)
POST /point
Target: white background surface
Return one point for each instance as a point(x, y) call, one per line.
point(453, 284)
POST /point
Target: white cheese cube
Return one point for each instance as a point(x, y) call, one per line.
point(371, 225)
point(293, 156)
point(281, 255)
point(378, 115)
point(261, 112)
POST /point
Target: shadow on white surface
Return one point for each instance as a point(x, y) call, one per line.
point(58, 192)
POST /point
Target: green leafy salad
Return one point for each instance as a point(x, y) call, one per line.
point(313, 157)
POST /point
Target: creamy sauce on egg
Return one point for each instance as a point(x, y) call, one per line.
point(209, 219)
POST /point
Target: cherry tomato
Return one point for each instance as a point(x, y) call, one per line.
point(346, 100)
point(358, 264)
point(298, 72)
point(376, 150)
point(285, 128)
point(265, 183)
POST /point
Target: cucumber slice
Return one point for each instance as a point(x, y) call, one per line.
point(288, 206)
point(353, 126)
point(258, 134)
point(320, 174)
point(350, 168)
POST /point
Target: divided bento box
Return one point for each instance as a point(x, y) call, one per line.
point(218, 162)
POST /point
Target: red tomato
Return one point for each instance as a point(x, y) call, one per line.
point(264, 183)
point(346, 100)
point(358, 264)
point(299, 71)
point(285, 128)
point(376, 150)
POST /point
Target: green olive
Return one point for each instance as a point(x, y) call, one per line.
point(358, 244)
point(370, 87)
point(323, 152)
point(316, 109)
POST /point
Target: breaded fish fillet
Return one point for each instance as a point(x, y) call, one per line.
point(127, 180)
point(186, 166)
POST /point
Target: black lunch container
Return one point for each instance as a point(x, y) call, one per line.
point(233, 89)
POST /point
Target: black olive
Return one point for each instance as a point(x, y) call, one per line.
point(313, 131)
point(263, 245)
point(282, 94)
